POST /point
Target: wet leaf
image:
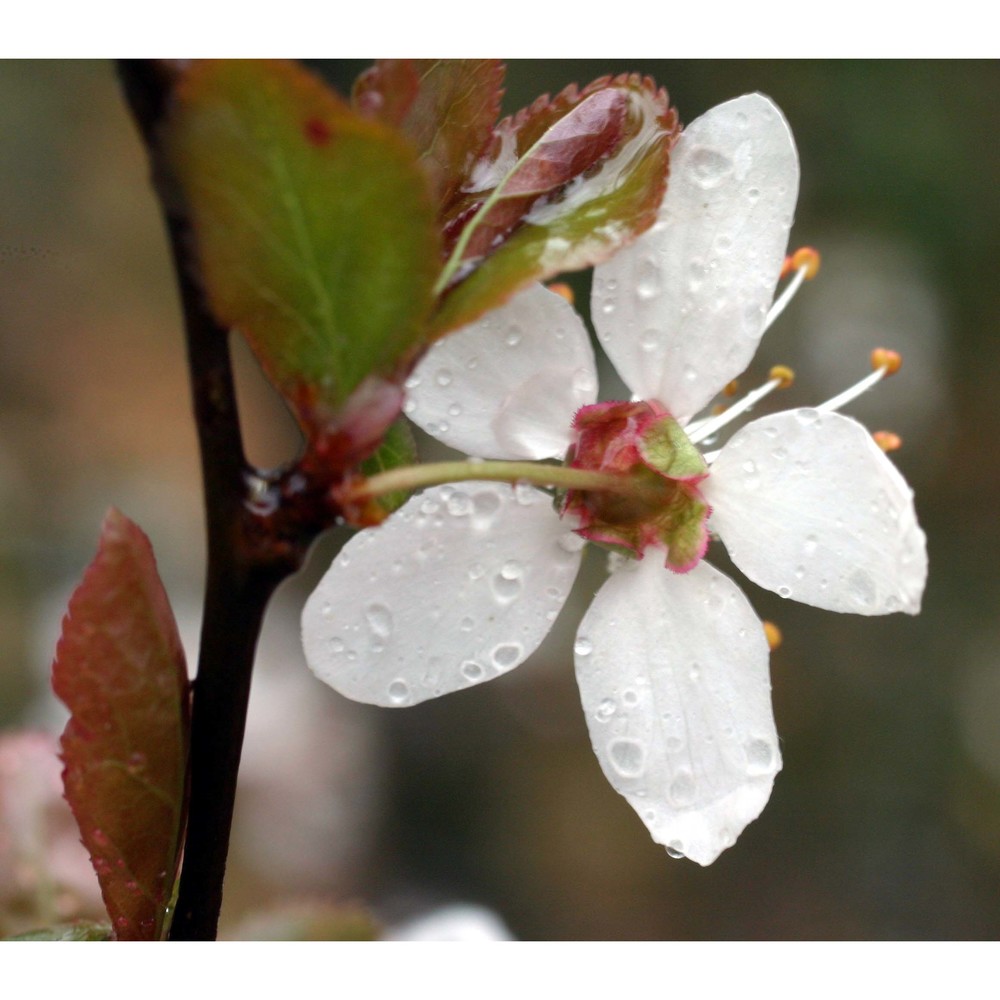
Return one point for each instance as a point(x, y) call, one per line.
point(563, 185)
point(446, 107)
point(120, 670)
point(314, 229)
point(398, 448)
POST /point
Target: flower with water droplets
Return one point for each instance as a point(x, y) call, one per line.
point(464, 581)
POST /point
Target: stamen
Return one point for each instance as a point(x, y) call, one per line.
point(887, 440)
point(773, 635)
point(805, 263)
point(563, 290)
point(731, 388)
point(885, 362)
point(781, 377)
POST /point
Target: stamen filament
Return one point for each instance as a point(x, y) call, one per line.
point(706, 428)
point(413, 477)
point(852, 393)
point(778, 306)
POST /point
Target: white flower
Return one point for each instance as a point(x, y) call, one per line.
point(463, 582)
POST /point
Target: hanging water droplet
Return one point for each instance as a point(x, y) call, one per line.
point(583, 646)
point(571, 542)
point(379, 619)
point(628, 757)
point(760, 756)
point(784, 591)
point(807, 417)
point(399, 691)
point(675, 849)
point(506, 655)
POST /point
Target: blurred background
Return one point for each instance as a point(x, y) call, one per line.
point(884, 823)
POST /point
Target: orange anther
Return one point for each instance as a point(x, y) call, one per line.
point(805, 257)
point(808, 258)
point(563, 290)
point(882, 357)
point(783, 374)
point(731, 388)
point(773, 635)
point(887, 440)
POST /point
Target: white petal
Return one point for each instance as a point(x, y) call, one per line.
point(673, 675)
point(508, 385)
point(460, 585)
point(811, 508)
point(680, 312)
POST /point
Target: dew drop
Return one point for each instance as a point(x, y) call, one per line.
point(784, 591)
point(506, 655)
point(749, 468)
point(100, 838)
point(513, 337)
point(467, 624)
point(605, 710)
point(476, 571)
point(674, 744)
point(571, 542)
point(630, 697)
point(472, 671)
point(379, 619)
point(326, 611)
point(649, 280)
point(807, 417)
point(694, 672)
point(760, 756)
point(810, 545)
point(485, 505)
point(409, 406)
point(336, 645)
point(709, 167)
point(583, 646)
point(455, 410)
point(800, 572)
point(459, 504)
point(399, 691)
point(505, 588)
point(628, 757)
point(583, 381)
point(512, 570)
point(690, 373)
point(675, 849)
point(649, 340)
point(892, 603)
point(443, 377)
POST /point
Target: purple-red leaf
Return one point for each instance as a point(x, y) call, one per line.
point(562, 185)
point(445, 107)
point(119, 668)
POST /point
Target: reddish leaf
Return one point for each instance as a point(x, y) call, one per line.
point(563, 185)
point(445, 107)
point(314, 229)
point(119, 668)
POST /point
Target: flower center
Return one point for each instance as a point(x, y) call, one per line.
point(642, 441)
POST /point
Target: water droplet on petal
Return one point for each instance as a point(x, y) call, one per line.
point(379, 619)
point(675, 849)
point(513, 337)
point(472, 671)
point(443, 377)
point(760, 756)
point(862, 587)
point(506, 655)
point(628, 757)
point(326, 611)
point(459, 504)
point(467, 624)
point(784, 591)
point(583, 646)
point(709, 167)
point(810, 545)
point(605, 710)
point(399, 691)
point(506, 589)
point(649, 340)
point(630, 698)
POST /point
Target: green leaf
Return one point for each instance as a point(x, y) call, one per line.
point(565, 184)
point(314, 229)
point(81, 930)
point(446, 107)
point(398, 448)
point(119, 668)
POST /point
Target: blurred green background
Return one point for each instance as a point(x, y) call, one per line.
point(884, 823)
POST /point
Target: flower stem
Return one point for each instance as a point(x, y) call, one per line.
point(413, 477)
